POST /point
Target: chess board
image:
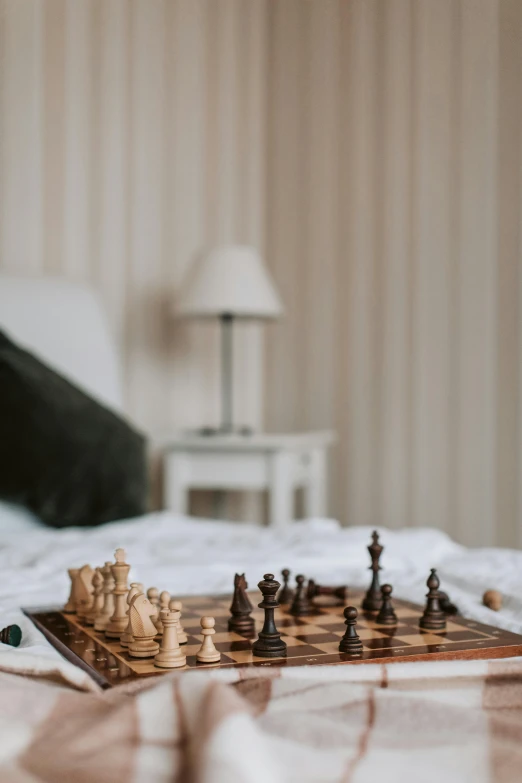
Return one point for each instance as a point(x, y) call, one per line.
point(312, 640)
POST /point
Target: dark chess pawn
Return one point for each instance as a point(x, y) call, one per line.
point(386, 614)
point(350, 643)
point(372, 599)
point(240, 608)
point(300, 605)
point(433, 618)
point(286, 594)
point(269, 643)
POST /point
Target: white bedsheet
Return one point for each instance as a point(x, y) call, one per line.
point(186, 555)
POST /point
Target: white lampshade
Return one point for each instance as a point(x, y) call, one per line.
point(229, 280)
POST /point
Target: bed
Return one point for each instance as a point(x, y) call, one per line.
point(435, 721)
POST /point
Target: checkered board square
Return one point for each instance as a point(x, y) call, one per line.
point(311, 640)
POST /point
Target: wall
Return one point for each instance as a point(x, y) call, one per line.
point(394, 202)
point(371, 148)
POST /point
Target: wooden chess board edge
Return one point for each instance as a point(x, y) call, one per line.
point(505, 645)
point(65, 651)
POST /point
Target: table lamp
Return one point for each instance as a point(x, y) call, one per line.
point(228, 283)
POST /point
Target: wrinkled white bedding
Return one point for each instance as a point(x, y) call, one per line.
point(200, 556)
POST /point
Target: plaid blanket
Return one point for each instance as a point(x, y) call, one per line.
point(422, 722)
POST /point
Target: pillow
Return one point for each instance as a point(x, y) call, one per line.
point(63, 455)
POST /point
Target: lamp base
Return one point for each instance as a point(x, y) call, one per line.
point(211, 432)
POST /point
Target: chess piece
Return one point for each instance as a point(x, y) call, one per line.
point(313, 590)
point(142, 628)
point(97, 600)
point(164, 599)
point(70, 606)
point(118, 622)
point(269, 643)
point(207, 653)
point(492, 599)
point(163, 603)
point(240, 608)
point(386, 614)
point(83, 590)
point(372, 599)
point(286, 594)
point(350, 643)
point(126, 638)
point(12, 635)
point(300, 604)
point(433, 618)
point(153, 595)
point(170, 655)
point(177, 606)
point(446, 604)
point(101, 621)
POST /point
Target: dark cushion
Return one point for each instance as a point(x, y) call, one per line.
point(62, 454)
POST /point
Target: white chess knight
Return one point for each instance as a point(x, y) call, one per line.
point(142, 627)
point(126, 638)
point(207, 653)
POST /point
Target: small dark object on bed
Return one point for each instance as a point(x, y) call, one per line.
point(63, 455)
point(11, 634)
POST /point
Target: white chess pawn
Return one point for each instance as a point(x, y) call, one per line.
point(153, 595)
point(103, 617)
point(163, 604)
point(97, 603)
point(177, 606)
point(170, 655)
point(207, 653)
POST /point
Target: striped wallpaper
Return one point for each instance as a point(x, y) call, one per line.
point(371, 148)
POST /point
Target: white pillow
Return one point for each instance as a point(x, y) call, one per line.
point(17, 519)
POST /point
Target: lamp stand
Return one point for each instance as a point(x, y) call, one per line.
point(227, 372)
point(227, 426)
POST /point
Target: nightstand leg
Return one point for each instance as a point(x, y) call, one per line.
point(281, 491)
point(315, 491)
point(176, 491)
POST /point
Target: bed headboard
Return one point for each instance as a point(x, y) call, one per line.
point(64, 324)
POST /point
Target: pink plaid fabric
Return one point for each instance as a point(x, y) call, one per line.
point(422, 722)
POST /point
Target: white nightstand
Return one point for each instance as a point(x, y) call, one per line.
point(277, 463)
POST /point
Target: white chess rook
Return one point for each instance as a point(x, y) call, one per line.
point(170, 655)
